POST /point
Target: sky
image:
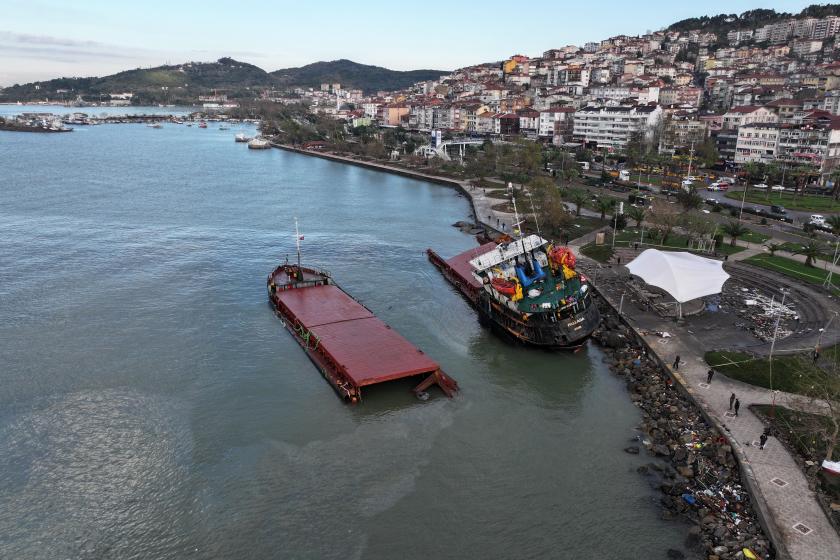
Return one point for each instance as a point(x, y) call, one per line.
point(43, 39)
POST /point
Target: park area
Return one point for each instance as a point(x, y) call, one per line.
point(791, 201)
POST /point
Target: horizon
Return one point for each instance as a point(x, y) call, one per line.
point(42, 40)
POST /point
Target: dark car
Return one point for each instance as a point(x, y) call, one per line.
point(780, 210)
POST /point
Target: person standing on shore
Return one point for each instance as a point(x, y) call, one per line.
point(710, 375)
point(677, 362)
point(731, 400)
point(737, 406)
point(762, 440)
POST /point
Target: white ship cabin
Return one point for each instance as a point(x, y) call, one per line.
point(506, 252)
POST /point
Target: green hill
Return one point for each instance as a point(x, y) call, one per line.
point(185, 82)
point(352, 75)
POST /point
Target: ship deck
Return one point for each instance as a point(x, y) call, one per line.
point(549, 293)
point(347, 338)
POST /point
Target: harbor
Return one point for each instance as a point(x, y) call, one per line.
point(218, 402)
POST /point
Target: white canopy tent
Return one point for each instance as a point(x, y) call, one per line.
point(684, 276)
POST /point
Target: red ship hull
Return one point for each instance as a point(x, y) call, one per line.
point(350, 346)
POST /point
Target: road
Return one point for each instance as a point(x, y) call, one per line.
point(776, 229)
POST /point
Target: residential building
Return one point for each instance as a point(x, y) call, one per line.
point(740, 116)
point(613, 127)
point(757, 143)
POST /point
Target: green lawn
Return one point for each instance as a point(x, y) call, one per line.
point(600, 253)
point(788, 200)
point(754, 237)
point(676, 242)
point(794, 269)
point(791, 373)
point(791, 247)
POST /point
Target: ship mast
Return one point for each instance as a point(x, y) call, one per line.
point(297, 241)
point(517, 225)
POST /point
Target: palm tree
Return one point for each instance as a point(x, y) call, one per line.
point(637, 214)
point(811, 251)
point(578, 198)
point(604, 205)
point(734, 230)
point(773, 247)
point(834, 222)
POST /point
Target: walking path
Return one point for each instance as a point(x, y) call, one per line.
point(802, 525)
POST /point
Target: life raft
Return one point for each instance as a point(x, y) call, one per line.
point(561, 256)
point(506, 287)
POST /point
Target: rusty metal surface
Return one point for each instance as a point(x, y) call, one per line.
point(320, 305)
point(372, 352)
point(460, 263)
point(363, 347)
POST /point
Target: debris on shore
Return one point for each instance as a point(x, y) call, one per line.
point(700, 478)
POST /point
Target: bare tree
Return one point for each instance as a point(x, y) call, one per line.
point(665, 216)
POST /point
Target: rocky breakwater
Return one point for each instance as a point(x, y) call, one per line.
point(693, 466)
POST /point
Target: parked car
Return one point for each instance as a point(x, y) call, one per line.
point(776, 209)
point(817, 220)
point(777, 188)
point(760, 187)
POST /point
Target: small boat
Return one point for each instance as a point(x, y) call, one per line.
point(242, 138)
point(259, 144)
point(223, 127)
point(155, 125)
point(202, 124)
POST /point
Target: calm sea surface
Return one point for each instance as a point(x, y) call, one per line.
point(152, 406)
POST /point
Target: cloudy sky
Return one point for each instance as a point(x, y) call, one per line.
point(42, 39)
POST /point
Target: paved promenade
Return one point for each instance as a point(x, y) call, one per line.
point(803, 526)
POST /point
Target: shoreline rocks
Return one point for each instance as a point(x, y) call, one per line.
point(700, 479)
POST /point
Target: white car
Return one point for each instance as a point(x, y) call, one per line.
point(817, 220)
point(777, 188)
point(761, 187)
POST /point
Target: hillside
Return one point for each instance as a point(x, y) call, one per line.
point(352, 75)
point(723, 23)
point(185, 82)
point(170, 83)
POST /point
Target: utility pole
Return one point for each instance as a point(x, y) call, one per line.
point(615, 225)
point(773, 347)
point(827, 281)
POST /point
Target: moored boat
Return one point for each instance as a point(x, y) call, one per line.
point(259, 144)
point(242, 138)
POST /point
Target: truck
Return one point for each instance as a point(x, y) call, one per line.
point(624, 175)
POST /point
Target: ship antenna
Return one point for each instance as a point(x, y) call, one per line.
point(518, 223)
point(297, 241)
point(534, 212)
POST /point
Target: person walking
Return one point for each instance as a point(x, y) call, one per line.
point(710, 375)
point(762, 440)
point(737, 406)
point(731, 400)
point(677, 362)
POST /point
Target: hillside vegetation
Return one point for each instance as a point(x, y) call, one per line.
point(185, 82)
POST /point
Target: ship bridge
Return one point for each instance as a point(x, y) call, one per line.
point(506, 252)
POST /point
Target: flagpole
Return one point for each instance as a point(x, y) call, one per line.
point(297, 241)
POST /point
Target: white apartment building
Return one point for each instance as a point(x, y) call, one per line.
point(740, 116)
point(757, 143)
point(612, 127)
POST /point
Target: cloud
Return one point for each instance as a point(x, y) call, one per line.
point(46, 47)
